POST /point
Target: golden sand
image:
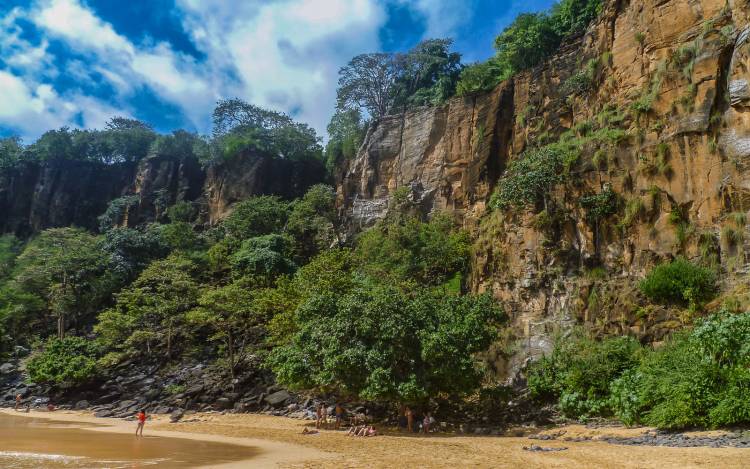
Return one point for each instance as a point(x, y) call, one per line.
point(280, 444)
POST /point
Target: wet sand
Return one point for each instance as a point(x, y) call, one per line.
point(79, 440)
point(279, 443)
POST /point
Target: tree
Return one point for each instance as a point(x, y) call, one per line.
point(179, 145)
point(240, 126)
point(263, 258)
point(11, 150)
point(150, 313)
point(427, 74)
point(407, 250)
point(313, 222)
point(228, 311)
point(383, 344)
point(232, 114)
point(256, 216)
point(346, 131)
point(71, 360)
point(367, 82)
point(131, 250)
point(68, 268)
point(481, 77)
point(530, 39)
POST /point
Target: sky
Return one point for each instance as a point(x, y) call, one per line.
point(77, 63)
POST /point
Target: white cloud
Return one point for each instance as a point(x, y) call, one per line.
point(282, 54)
point(33, 109)
point(72, 21)
point(442, 17)
point(285, 54)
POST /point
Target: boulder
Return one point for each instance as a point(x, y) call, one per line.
point(7, 368)
point(278, 398)
point(104, 413)
point(176, 416)
point(80, 405)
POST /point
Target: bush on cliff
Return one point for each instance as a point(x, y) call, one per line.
point(679, 281)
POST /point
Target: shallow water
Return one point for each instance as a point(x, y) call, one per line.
point(36, 443)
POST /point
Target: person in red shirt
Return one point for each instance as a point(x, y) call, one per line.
point(141, 422)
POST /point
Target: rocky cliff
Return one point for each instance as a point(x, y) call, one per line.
point(64, 193)
point(654, 101)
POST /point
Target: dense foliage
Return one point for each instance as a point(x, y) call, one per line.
point(529, 40)
point(65, 361)
point(529, 179)
point(699, 378)
point(679, 281)
point(381, 343)
point(380, 83)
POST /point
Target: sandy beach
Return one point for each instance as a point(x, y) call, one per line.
point(279, 443)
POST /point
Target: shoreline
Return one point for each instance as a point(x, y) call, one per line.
point(271, 454)
point(280, 444)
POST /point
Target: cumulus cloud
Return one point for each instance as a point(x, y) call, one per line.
point(282, 54)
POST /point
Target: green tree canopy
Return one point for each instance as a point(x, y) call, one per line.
point(67, 267)
point(149, 315)
point(380, 343)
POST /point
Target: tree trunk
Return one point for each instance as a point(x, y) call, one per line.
point(230, 344)
point(60, 326)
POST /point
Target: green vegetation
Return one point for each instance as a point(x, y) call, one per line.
point(381, 83)
point(529, 179)
point(67, 361)
point(679, 281)
point(579, 371)
point(381, 343)
point(528, 41)
point(699, 378)
point(268, 285)
point(582, 81)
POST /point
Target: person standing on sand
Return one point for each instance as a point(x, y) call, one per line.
point(141, 422)
point(18, 401)
point(319, 413)
point(426, 422)
point(409, 419)
point(339, 415)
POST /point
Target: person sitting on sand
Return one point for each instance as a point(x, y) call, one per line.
point(141, 422)
point(367, 431)
point(50, 407)
point(306, 431)
point(354, 430)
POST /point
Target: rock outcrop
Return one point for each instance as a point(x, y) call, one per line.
point(36, 196)
point(664, 122)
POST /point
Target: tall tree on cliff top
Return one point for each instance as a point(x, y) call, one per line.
point(367, 82)
point(381, 82)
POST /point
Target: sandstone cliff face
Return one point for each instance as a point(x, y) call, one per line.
point(680, 168)
point(34, 196)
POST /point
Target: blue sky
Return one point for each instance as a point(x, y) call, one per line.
point(167, 62)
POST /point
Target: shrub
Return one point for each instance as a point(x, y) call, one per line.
point(71, 360)
point(679, 281)
point(529, 178)
point(699, 378)
point(481, 76)
point(579, 371)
